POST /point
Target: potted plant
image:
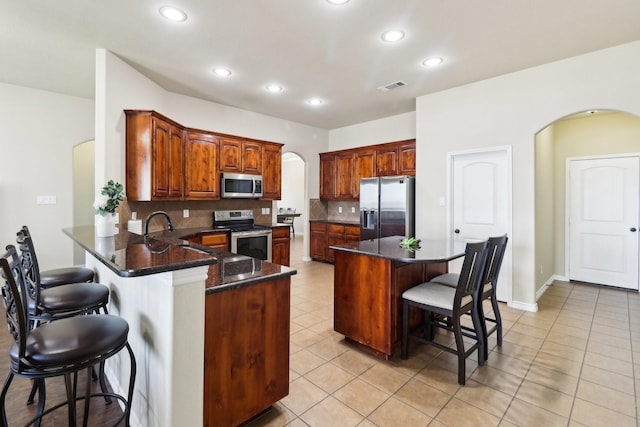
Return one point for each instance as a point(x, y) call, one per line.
point(105, 205)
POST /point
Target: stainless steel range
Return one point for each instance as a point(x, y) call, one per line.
point(247, 238)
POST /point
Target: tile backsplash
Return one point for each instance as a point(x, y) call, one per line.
point(334, 210)
point(200, 212)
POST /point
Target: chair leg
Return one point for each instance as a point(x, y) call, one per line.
point(103, 383)
point(40, 385)
point(480, 328)
point(71, 401)
point(405, 330)
point(457, 332)
point(132, 381)
point(87, 398)
point(3, 396)
point(496, 315)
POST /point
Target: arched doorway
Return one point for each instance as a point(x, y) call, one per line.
point(293, 196)
point(585, 134)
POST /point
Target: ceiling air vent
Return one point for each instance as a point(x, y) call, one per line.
point(393, 85)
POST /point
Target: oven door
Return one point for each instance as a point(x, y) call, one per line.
point(254, 243)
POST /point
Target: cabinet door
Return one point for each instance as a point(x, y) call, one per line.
point(407, 158)
point(202, 176)
point(351, 233)
point(167, 155)
point(318, 240)
point(230, 155)
point(365, 167)
point(251, 157)
point(344, 176)
point(327, 176)
point(271, 172)
point(387, 161)
point(280, 247)
point(335, 236)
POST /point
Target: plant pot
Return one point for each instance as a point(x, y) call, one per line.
point(105, 226)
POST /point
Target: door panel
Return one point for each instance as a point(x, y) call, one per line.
point(603, 210)
point(481, 203)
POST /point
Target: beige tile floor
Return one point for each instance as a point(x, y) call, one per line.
point(572, 363)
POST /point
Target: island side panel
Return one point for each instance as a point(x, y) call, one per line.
point(362, 300)
point(246, 364)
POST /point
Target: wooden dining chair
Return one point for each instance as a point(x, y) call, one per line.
point(497, 246)
point(443, 307)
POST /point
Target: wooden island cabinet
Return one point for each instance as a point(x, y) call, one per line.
point(167, 161)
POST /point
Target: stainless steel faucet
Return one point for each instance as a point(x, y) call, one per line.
point(151, 215)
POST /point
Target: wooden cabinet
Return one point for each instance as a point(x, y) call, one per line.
point(280, 245)
point(246, 351)
point(202, 175)
point(240, 155)
point(398, 158)
point(325, 234)
point(341, 171)
point(166, 161)
point(154, 157)
point(271, 172)
point(215, 239)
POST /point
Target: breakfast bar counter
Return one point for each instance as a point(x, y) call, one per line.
point(369, 279)
point(209, 328)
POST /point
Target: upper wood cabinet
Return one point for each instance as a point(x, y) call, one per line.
point(341, 171)
point(202, 175)
point(271, 171)
point(240, 156)
point(154, 157)
point(166, 161)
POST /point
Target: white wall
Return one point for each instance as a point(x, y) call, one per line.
point(293, 177)
point(388, 129)
point(39, 130)
point(510, 110)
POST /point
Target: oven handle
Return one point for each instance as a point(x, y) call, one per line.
point(250, 233)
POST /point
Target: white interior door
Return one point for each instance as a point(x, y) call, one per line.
point(480, 184)
point(603, 221)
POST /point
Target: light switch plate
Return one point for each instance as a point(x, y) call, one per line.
point(46, 200)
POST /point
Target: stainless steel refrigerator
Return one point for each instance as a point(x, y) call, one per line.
point(387, 207)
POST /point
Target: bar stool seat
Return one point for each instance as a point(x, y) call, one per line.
point(64, 276)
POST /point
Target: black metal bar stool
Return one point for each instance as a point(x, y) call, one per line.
point(60, 348)
point(61, 276)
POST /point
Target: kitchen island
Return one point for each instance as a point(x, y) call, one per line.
point(369, 279)
point(209, 329)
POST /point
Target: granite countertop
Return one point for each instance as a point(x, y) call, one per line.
point(131, 255)
point(431, 250)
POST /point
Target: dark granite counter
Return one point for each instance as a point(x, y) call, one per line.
point(130, 255)
point(430, 251)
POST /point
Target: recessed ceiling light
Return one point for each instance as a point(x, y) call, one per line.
point(315, 101)
point(392, 35)
point(432, 62)
point(337, 2)
point(173, 14)
point(274, 88)
point(222, 72)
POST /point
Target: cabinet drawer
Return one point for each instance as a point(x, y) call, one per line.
point(214, 239)
point(280, 232)
point(335, 229)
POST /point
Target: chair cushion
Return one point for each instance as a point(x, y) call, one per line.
point(449, 279)
point(434, 294)
point(75, 296)
point(72, 340)
point(64, 276)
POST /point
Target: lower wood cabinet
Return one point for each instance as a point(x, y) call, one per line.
point(280, 245)
point(216, 240)
point(325, 234)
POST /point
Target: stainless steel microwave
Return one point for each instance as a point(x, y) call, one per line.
point(241, 186)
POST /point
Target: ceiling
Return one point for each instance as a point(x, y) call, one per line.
point(310, 47)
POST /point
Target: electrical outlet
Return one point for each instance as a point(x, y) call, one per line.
point(339, 209)
point(185, 213)
point(134, 215)
point(267, 211)
point(353, 209)
point(116, 218)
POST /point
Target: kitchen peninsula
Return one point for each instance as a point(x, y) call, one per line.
point(369, 279)
point(209, 329)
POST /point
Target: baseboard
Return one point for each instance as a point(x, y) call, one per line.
point(523, 306)
point(306, 259)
